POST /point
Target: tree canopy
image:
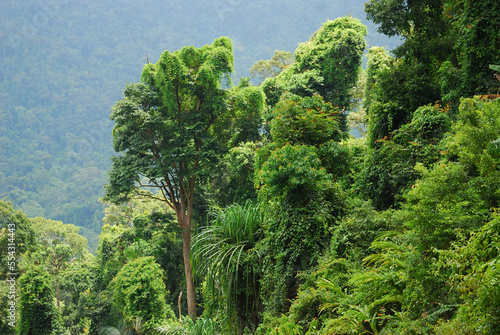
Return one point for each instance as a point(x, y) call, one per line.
point(259, 205)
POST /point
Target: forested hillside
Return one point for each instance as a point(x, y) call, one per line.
point(63, 64)
point(243, 205)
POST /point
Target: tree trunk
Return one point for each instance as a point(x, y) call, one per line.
point(57, 293)
point(190, 289)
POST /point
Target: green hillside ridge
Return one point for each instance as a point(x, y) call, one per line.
point(63, 64)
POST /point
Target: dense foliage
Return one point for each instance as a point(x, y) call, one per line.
point(250, 209)
point(63, 64)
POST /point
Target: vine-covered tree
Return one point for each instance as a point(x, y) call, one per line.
point(328, 64)
point(165, 132)
point(37, 312)
point(296, 178)
point(140, 293)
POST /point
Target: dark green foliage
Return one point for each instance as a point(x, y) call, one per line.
point(305, 201)
point(335, 158)
point(479, 46)
point(389, 167)
point(401, 17)
point(398, 92)
point(356, 232)
point(234, 182)
point(424, 25)
point(36, 305)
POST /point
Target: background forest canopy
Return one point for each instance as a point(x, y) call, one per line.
point(63, 65)
point(248, 208)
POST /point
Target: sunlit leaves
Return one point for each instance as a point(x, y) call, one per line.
point(476, 131)
point(328, 64)
point(140, 292)
point(308, 120)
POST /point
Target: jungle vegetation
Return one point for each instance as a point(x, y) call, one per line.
point(246, 206)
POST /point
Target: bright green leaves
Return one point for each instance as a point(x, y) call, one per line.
point(332, 35)
point(300, 126)
point(290, 168)
point(193, 70)
point(342, 62)
point(378, 60)
point(336, 50)
point(242, 123)
point(221, 56)
point(140, 292)
point(291, 80)
point(308, 120)
point(36, 305)
point(476, 131)
point(442, 202)
point(163, 123)
point(169, 78)
point(328, 64)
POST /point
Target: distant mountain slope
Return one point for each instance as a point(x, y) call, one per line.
point(63, 64)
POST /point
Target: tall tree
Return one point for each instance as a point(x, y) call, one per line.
point(165, 134)
point(14, 227)
point(296, 178)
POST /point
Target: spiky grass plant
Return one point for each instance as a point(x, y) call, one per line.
point(226, 258)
